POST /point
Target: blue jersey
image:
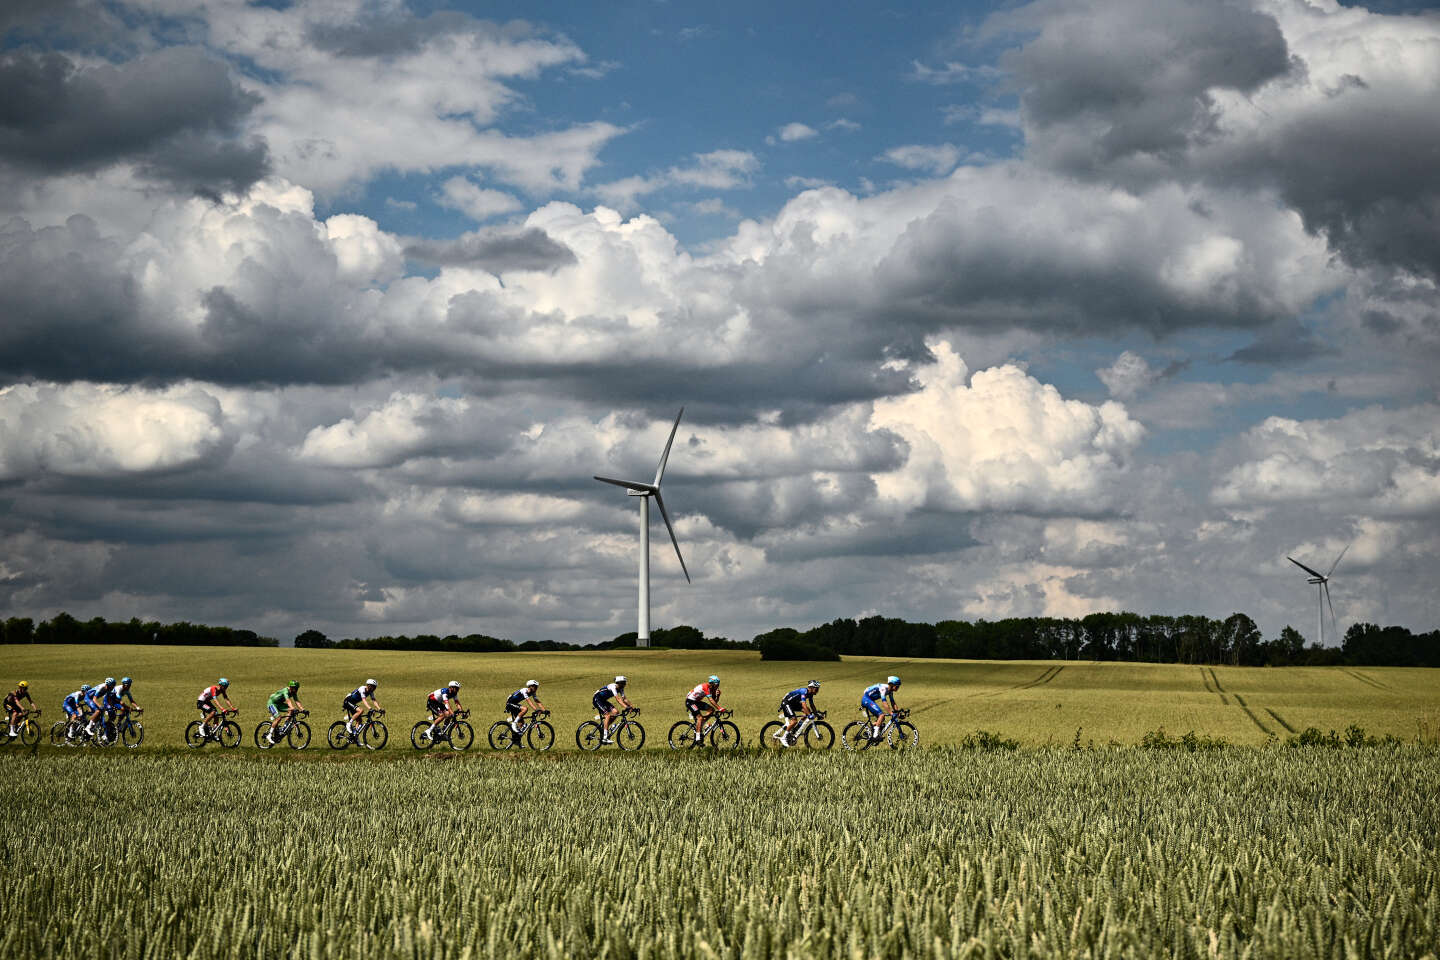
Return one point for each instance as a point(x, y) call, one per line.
point(72, 701)
point(358, 694)
point(797, 696)
point(879, 691)
point(122, 693)
point(519, 696)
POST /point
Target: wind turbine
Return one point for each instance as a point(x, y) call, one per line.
point(645, 491)
point(1322, 593)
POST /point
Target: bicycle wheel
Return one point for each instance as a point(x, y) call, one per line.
point(856, 735)
point(57, 733)
point(230, 735)
point(770, 735)
point(902, 736)
point(374, 735)
point(725, 735)
point(500, 735)
point(630, 736)
point(299, 735)
point(418, 737)
point(194, 735)
point(462, 735)
point(132, 734)
point(29, 732)
point(337, 736)
point(681, 736)
point(820, 736)
point(540, 736)
point(261, 739)
point(588, 735)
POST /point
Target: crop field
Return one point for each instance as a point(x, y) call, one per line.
point(1036, 703)
point(942, 853)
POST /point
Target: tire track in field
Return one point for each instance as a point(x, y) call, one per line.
point(1043, 679)
point(1251, 714)
point(1218, 689)
point(1364, 679)
point(1280, 720)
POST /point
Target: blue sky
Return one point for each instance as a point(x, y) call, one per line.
point(324, 314)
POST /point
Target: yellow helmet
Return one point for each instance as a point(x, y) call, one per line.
point(23, 684)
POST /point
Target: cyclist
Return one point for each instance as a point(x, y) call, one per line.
point(287, 698)
point(98, 702)
point(604, 703)
point(878, 700)
point(703, 701)
point(111, 707)
point(122, 692)
point(796, 704)
point(521, 702)
point(12, 704)
point(442, 705)
point(357, 701)
point(74, 708)
point(205, 703)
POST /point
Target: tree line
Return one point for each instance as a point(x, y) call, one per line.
point(1235, 640)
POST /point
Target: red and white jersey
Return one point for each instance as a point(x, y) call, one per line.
point(211, 692)
point(702, 690)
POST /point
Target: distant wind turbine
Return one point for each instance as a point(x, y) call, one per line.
point(637, 488)
point(1322, 593)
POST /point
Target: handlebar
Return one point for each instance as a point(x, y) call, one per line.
point(301, 713)
point(540, 714)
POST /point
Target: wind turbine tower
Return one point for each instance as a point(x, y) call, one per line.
point(646, 491)
point(1322, 594)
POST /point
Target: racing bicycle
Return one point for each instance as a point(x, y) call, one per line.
point(288, 727)
point(27, 731)
point(812, 730)
point(217, 728)
point(625, 732)
point(372, 734)
point(453, 730)
point(535, 732)
point(124, 729)
point(896, 730)
point(716, 729)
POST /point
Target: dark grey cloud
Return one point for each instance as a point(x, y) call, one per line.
point(176, 113)
point(497, 251)
point(397, 35)
point(1284, 344)
point(1139, 73)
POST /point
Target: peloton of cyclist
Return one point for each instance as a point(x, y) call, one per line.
point(702, 702)
point(357, 701)
point(796, 704)
point(442, 705)
point(205, 703)
point(878, 700)
point(12, 704)
point(604, 703)
point(287, 698)
point(523, 701)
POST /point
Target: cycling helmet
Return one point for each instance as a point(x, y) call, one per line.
point(893, 681)
point(124, 681)
point(532, 683)
point(714, 679)
point(813, 684)
point(109, 681)
point(454, 683)
point(86, 688)
point(372, 682)
point(23, 684)
point(619, 679)
point(293, 685)
point(223, 682)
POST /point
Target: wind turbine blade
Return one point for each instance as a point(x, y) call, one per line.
point(1334, 627)
point(666, 517)
point(1297, 563)
point(628, 484)
point(660, 470)
point(1338, 559)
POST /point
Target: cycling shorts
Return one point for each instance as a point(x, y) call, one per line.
point(697, 707)
point(602, 704)
point(349, 706)
point(71, 708)
point(205, 706)
point(789, 709)
point(871, 707)
point(434, 706)
point(513, 708)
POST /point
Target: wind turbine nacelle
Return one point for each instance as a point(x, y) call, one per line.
point(1316, 580)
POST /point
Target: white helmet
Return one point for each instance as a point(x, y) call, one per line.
point(372, 682)
point(619, 679)
point(454, 683)
point(532, 683)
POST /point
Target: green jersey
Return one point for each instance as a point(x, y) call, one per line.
point(278, 698)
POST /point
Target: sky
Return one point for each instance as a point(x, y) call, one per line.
point(322, 314)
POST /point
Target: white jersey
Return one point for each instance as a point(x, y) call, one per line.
point(443, 695)
point(701, 691)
